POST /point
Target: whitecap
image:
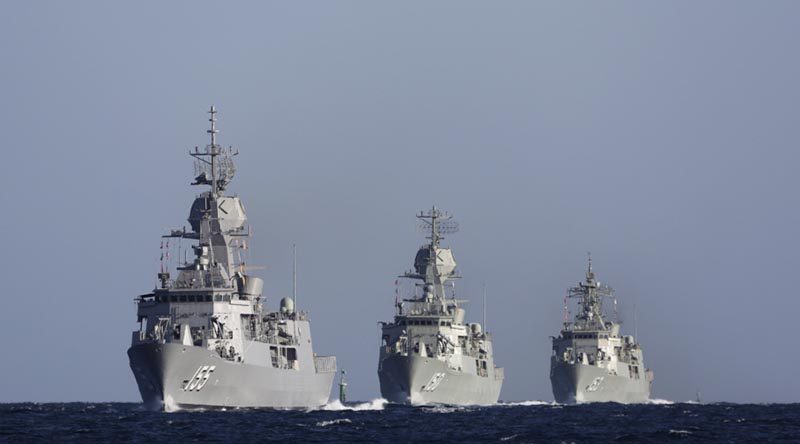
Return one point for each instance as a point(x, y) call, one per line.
point(660, 402)
point(679, 432)
point(375, 404)
point(443, 409)
point(334, 421)
point(170, 405)
point(528, 403)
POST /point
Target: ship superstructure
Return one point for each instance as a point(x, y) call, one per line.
point(205, 338)
point(591, 361)
point(428, 354)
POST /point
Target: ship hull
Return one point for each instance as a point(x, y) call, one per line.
point(163, 373)
point(579, 383)
point(423, 380)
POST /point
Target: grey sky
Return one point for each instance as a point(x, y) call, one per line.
point(662, 136)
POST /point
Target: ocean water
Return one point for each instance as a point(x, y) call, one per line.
point(376, 421)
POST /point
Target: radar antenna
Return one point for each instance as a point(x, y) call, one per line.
point(210, 170)
point(590, 295)
point(438, 222)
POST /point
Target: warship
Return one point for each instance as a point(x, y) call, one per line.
point(428, 355)
point(591, 362)
point(205, 339)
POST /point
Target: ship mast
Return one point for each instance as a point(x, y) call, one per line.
point(221, 170)
point(434, 215)
point(439, 223)
point(294, 276)
point(589, 294)
point(433, 265)
point(213, 153)
point(216, 173)
point(213, 131)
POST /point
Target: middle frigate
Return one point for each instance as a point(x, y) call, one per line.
point(428, 354)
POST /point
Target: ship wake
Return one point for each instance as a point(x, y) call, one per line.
point(170, 405)
point(659, 402)
point(335, 406)
point(527, 403)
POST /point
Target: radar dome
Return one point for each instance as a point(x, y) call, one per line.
point(287, 305)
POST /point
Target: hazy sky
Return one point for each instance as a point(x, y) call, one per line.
point(662, 136)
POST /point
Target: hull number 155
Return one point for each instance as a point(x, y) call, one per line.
point(199, 379)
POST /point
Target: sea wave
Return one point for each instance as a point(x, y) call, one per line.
point(527, 403)
point(660, 402)
point(714, 422)
point(334, 421)
point(679, 432)
point(170, 405)
point(443, 409)
point(375, 404)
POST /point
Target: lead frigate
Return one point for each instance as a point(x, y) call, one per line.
point(205, 338)
point(591, 362)
point(428, 354)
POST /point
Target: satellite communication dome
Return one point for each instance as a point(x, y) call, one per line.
point(287, 305)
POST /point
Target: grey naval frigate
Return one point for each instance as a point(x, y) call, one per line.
point(205, 338)
point(428, 355)
point(591, 362)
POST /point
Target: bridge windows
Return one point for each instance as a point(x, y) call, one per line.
point(586, 336)
point(192, 298)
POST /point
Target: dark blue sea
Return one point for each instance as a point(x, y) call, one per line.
point(534, 422)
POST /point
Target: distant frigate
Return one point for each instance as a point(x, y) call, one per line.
point(204, 337)
point(591, 362)
point(428, 354)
